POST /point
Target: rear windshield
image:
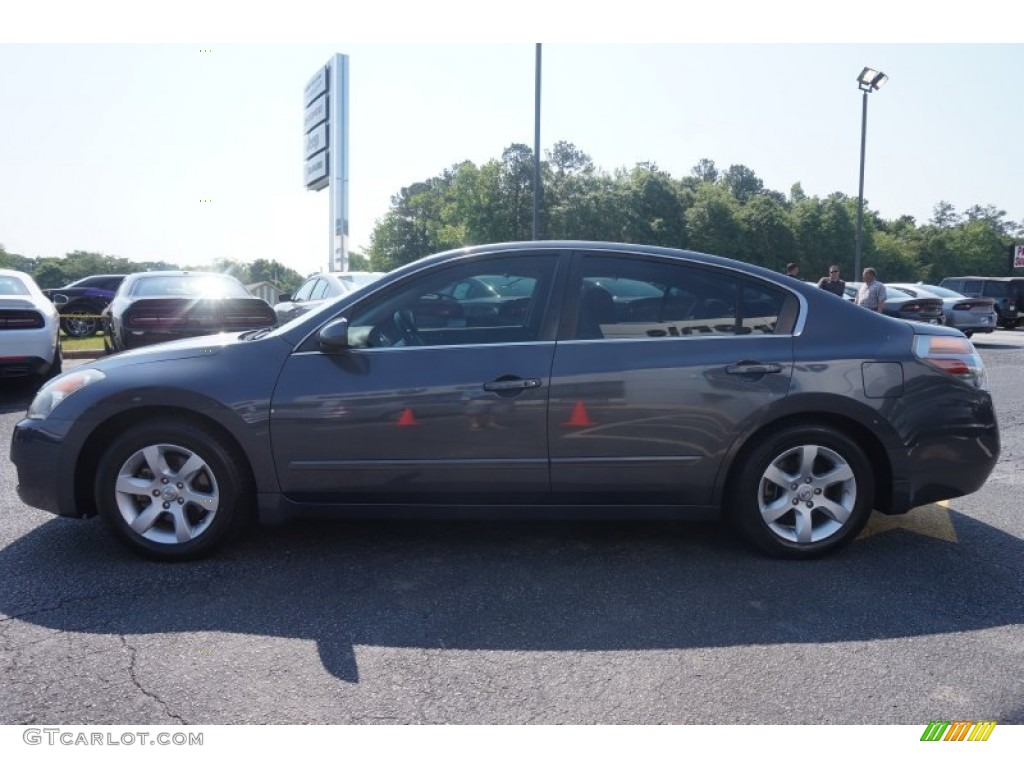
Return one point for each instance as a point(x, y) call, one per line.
point(12, 286)
point(189, 285)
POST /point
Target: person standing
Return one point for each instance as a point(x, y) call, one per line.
point(793, 269)
point(872, 293)
point(832, 283)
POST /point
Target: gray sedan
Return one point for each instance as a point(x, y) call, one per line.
point(970, 315)
point(604, 379)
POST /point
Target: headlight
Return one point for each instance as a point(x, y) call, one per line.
point(53, 392)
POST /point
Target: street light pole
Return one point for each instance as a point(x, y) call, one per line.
point(868, 81)
point(536, 150)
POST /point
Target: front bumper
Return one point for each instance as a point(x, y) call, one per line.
point(46, 478)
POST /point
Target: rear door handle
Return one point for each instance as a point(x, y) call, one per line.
point(751, 369)
point(511, 385)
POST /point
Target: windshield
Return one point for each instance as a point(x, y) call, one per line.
point(353, 280)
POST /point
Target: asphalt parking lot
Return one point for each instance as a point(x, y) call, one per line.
point(922, 618)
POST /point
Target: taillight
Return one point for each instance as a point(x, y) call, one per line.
point(19, 319)
point(953, 355)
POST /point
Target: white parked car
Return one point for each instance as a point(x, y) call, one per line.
point(318, 289)
point(29, 328)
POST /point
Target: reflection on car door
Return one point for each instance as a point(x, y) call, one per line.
point(660, 368)
point(453, 404)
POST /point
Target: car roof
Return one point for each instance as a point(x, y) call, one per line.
point(179, 273)
point(596, 246)
point(977, 277)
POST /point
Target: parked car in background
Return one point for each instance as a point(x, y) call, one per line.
point(29, 328)
point(625, 380)
point(996, 288)
point(151, 307)
point(320, 288)
point(81, 302)
point(923, 309)
point(1017, 295)
point(969, 315)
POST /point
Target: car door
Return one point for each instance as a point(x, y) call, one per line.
point(430, 401)
point(659, 368)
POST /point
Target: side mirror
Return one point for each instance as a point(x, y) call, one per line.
point(333, 337)
point(283, 297)
point(59, 300)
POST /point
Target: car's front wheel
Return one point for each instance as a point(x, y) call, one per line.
point(173, 490)
point(802, 492)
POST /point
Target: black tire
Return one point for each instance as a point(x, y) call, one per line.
point(802, 492)
point(173, 490)
point(57, 366)
point(80, 322)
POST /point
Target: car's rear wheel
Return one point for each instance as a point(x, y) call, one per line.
point(802, 492)
point(173, 490)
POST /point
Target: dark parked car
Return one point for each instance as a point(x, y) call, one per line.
point(320, 288)
point(624, 380)
point(151, 307)
point(967, 314)
point(81, 302)
point(1017, 294)
point(923, 309)
point(1000, 289)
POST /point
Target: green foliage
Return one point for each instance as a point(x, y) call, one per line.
point(713, 222)
point(52, 272)
point(729, 213)
point(357, 262)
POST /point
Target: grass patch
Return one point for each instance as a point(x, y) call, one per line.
point(88, 344)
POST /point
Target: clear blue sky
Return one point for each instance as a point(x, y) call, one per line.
point(110, 146)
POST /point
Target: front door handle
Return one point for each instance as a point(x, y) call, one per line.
point(753, 369)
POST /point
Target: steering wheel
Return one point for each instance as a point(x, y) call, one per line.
point(406, 325)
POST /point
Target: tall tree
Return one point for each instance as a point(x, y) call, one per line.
point(742, 182)
point(653, 211)
point(705, 170)
point(713, 223)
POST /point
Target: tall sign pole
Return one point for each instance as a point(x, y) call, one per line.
point(326, 149)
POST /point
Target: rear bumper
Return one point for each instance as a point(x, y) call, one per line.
point(947, 458)
point(11, 367)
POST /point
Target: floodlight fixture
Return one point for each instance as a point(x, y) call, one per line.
point(871, 80)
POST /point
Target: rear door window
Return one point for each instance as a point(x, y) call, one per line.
point(620, 298)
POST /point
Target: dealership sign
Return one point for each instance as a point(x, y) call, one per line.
point(325, 148)
point(314, 119)
point(1017, 256)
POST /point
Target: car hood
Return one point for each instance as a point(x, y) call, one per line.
point(181, 349)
